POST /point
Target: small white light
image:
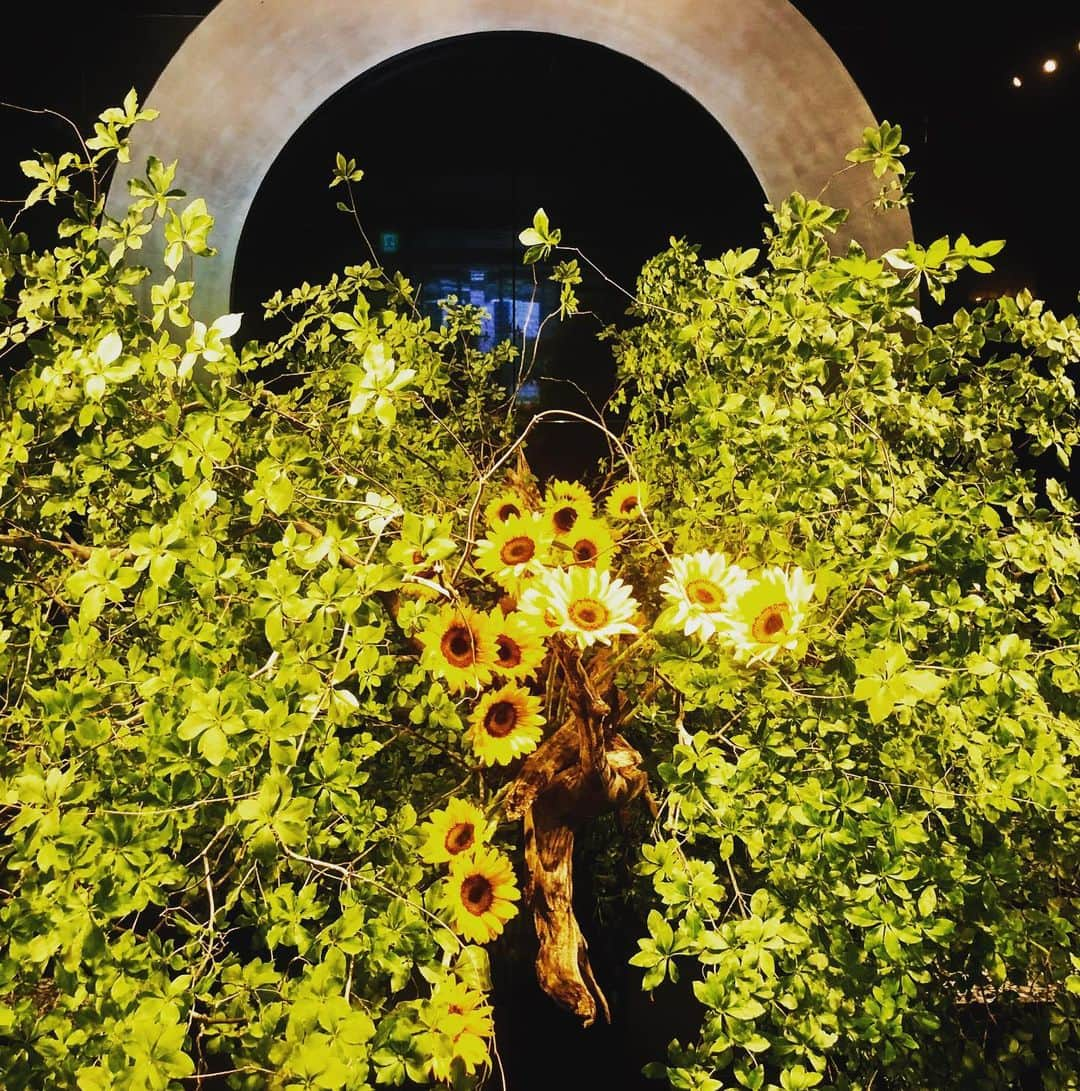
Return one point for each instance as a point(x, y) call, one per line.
point(1017, 81)
point(1049, 65)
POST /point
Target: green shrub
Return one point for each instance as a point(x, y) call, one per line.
point(249, 783)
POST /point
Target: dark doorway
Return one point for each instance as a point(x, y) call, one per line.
point(461, 141)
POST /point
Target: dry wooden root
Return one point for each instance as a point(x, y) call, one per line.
point(582, 770)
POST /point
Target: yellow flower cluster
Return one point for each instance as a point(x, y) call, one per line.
point(757, 615)
point(554, 564)
point(556, 561)
point(480, 892)
point(467, 649)
point(564, 534)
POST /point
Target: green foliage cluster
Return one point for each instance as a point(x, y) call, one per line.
point(203, 707)
point(868, 860)
point(217, 740)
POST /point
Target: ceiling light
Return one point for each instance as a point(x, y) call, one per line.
point(1049, 65)
point(1017, 81)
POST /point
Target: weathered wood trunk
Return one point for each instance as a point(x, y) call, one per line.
point(582, 770)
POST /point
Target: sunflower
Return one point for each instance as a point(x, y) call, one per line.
point(769, 613)
point(567, 490)
point(519, 650)
point(588, 545)
point(514, 551)
point(461, 1015)
point(562, 512)
point(628, 500)
point(480, 894)
point(703, 585)
point(459, 827)
point(505, 506)
point(582, 602)
point(505, 724)
point(459, 648)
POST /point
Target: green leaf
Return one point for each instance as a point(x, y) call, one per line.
point(927, 901)
point(214, 745)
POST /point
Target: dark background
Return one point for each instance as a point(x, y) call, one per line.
point(990, 159)
point(462, 141)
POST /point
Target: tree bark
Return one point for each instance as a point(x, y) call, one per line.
point(580, 771)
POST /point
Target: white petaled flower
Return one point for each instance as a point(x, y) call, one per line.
point(769, 614)
point(380, 380)
point(701, 586)
point(585, 604)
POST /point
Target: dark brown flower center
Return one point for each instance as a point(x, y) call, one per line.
point(459, 837)
point(565, 518)
point(589, 614)
point(705, 593)
point(507, 511)
point(509, 651)
point(500, 719)
point(517, 550)
point(477, 894)
point(458, 646)
point(770, 621)
point(585, 552)
point(628, 505)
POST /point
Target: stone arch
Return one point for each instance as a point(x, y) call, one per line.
point(253, 71)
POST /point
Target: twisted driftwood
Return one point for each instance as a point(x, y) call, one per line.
point(581, 770)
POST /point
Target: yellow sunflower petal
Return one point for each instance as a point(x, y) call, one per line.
point(562, 512)
point(514, 551)
point(567, 490)
point(461, 1010)
point(589, 544)
point(507, 505)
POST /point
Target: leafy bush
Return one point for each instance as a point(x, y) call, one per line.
point(290, 638)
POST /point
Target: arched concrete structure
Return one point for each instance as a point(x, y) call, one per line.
point(254, 70)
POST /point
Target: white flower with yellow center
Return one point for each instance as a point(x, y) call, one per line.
point(585, 604)
point(702, 586)
point(769, 614)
